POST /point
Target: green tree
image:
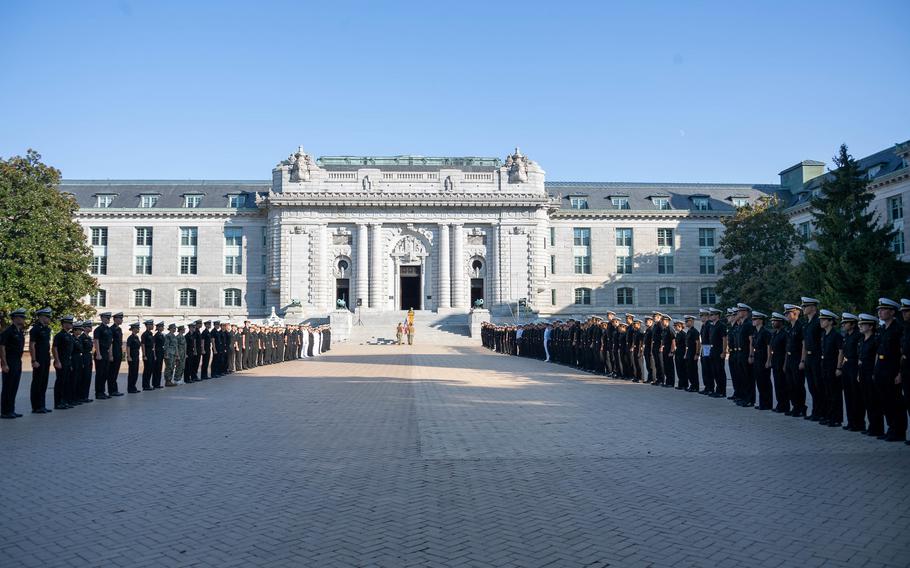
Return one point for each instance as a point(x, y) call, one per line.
point(44, 257)
point(759, 243)
point(851, 263)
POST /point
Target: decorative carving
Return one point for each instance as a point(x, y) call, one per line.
point(409, 249)
point(518, 167)
point(367, 184)
point(449, 183)
point(519, 230)
point(301, 163)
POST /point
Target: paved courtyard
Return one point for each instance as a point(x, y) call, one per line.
point(442, 455)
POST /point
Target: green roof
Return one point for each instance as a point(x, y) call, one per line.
point(409, 161)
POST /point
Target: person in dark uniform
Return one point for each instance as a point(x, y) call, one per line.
point(778, 361)
point(104, 355)
point(905, 354)
point(707, 371)
point(758, 358)
point(718, 354)
point(734, 349)
point(148, 355)
point(849, 373)
point(868, 354)
point(245, 345)
point(887, 371)
point(193, 353)
point(217, 352)
point(133, 356)
point(668, 338)
point(679, 355)
point(39, 346)
point(159, 342)
point(237, 343)
point(62, 350)
point(796, 378)
point(73, 396)
point(88, 361)
point(12, 345)
point(117, 350)
point(206, 352)
point(744, 333)
point(638, 341)
point(811, 364)
point(657, 348)
point(831, 359)
point(693, 351)
point(647, 347)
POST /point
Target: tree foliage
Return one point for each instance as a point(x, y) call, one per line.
point(851, 263)
point(759, 243)
point(44, 256)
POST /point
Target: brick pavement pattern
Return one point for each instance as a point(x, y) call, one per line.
point(442, 455)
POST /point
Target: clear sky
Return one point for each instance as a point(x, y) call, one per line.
point(597, 91)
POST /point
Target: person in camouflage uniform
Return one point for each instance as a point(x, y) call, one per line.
point(180, 361)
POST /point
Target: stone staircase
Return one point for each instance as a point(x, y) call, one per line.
point(443, 328)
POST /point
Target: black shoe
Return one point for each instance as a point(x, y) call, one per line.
point(882, 437)
point(896, 438)
point(61, 407)
point(87, 400)
point(159, 387)
point(116, 394)
point(874, 434)
point(836, 424)
point(8, 416)
point(823, 421)
point(148, 388)
point(847, 427)
point(41, 411)
point(101, 396)
point(747, 404)
point(133, 391)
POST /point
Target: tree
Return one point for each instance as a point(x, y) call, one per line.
point(44, 257)
point(851, 263)
point(759, 243)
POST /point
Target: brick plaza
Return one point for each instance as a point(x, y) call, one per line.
point(441, 455)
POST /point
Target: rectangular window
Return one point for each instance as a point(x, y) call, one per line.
point(897, 243)
point(624, 296)
point(620, 202)
point(265, 264)
point(232, 265)
point(552, 264)
point(262, 297)
point(623, 237)
point(99, 236)
point(232, 298)
point(143, 265)
point(583, 296)
point(265, 237)
point(143, 236)
point(98, 299)
point(552, 236)
point(740, 201)
point(553, 296)
point(99, 264)
point(624, 265)
point(104, 200)
point(895, 208)
point(706, 265)
point(706, 238)
point(582, 237)
point(233, 236)
point(665, 264)
point(582, 265)
point(579, 202)
point(701, 203)
point(665, 237)
point(142, 298)
point(192, 201)
point(666, 296)
point(233, 255)
point(805, 229)
point(236, 201)
point(147, 201)
point(662, 203)
point(187, 298)
point(188, 265)
point(189, 236)
point(708, 297)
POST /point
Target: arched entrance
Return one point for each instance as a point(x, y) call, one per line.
point(409, 255)
point(477, 272)
point(342, 273)
point(409, 287)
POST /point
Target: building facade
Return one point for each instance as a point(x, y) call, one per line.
point(393, 233)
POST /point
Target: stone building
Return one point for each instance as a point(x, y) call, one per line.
point(429, 233)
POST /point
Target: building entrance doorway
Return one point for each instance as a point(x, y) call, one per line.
point(342, 291)
point(476, 290)
point(410, 287)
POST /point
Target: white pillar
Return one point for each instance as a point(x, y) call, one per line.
point(361, 275)
point(445, 281)
point(376, 255)
point(458, 294)
point(324, 297)
point(493, 265)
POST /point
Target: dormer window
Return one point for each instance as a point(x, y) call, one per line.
point(739, 201)
point(148, 200)
point(578, 202)
point(620, 202)
point(236, 200)
point(192, 200)
point(662, 203)
point(701, 203)
point(873, 171)
point(104, 200)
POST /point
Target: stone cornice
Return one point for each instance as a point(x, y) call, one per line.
point(892, 178)
point(638, 214)
point(150, 213)
point(403, 199)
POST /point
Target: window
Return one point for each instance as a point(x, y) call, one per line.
point(148, 200)
point(189, 236)
point(552, 264)
point(233, 236)
point(582, 237)
point(98, 299)
point(232, 265)
point(142, 298)
point(192, 200)
point(99, 264)
point(701, 204)
point(582, 265)
point(552, 236)
point(665, 237)
point(873, 171)
point(624, 265)
point(897, 243)
point(665, 264)
point(623, 237)
point(232, 298)
point(265, 264)
point(661, 202)
point(143, 264)
point(187, 298)
point(233, 256)
point(578, 202)
point(739, 201)
point(236, 201)
point(265, 237)
point(583, 296)
point(104, 200)
point(553, 296)
point(99, 236)
point(706, 265)
point(189, 265)
point(666, 296)
point(805, 229)
point(620, 202)
point(262, 297)
point(895, 208)
point(144, 236)
point(708, 297)
point(624, 296)
point(706, 238)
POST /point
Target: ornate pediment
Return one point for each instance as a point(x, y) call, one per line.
point(409, 249)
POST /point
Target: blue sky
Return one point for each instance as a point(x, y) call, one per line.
point(597, 91)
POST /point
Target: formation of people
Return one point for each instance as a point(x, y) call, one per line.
point(406, 328)
point(856, 367)
point(169, 355)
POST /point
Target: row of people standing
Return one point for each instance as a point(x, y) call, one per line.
point(852, 365)
point(183, 354)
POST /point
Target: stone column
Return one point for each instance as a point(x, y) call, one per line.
point(376, 255)
point(323, 297)
point(493, 266)
point(458, 294)
point(362, 269)
point(445, 281)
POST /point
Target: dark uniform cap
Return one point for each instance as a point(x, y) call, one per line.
point(715, 310)
point(687, 318)
point(90, 323)
point(134, 325)
point(198, 322)
point(149, 322)
point(44, 312)
point(67, 319)
point(118, 315)
point(207, 321)
point(105, 314)
point(179, 327)
point(217, 322)
point(17, 313)
point(172, 326)
point(159, 324)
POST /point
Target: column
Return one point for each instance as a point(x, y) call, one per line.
point(445, 281)
point(458, 294)
point(362, 269)
point(376, 299)
point(494, 261)
point(322, 296)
